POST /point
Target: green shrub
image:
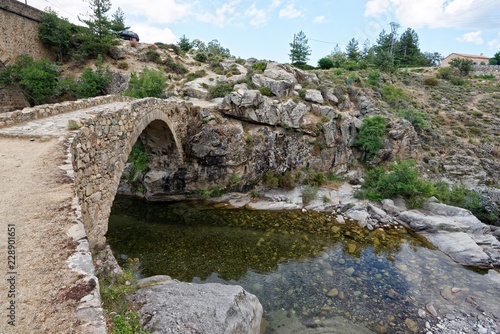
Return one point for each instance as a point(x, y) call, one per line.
point(128, 323)
point(432, 82)
point(302, 93)
point(201, 57)
point(325, 63)
point(485, 76)
point(286, 181)
point(309, 193)
point(220, 90)
point(123, 65)
point(350, 65)
point(38, 80)
point(153, 56)
point(197, 74)
point(392, 93)
point(415, 117)
point(373, 78)
point(173, 67)
point(149, 83)
point(93, 83)
point(457, 81)
point(370, 136)
point(465, 66)
point(400, 179)
point(445, 73)
point(270, 180)
point(332, 177)
point(260, 66)
point(266, 91)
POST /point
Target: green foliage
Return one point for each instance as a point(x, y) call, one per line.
point(392, 93)
point(465, 66)
point(220, 90)
point(416, 118)
point(352, 51)
point(149, 83)
point(299, 50)
point(122, 65)
point(370, 137)
point(270, 180)
point(139, 158)
point(92, 83)
point(194, 75)
point(373, 78)
point(432, 82)
point(118, 21)
point(496, 59)
point(55, 32)
point(485, 76)
point(332, 177)
point(153, 56)
point(209, 193)
point(173, 67)
point(457, 81)
point(184, 44)
point(260, 66)
point(201, 57)
point(309, 193)
point(302, 93)
point(400, 179)
point(128, 323)
point(38, 80)
point(325, 63)
point(266, 91)
point(445, 73)
point(316, 179)
point(286, 181)
point(98, 38)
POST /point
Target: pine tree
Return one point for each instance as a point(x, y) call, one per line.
point(100, 38)
point(408, 51)
point(118, 21)
point(299, 50)
point(352, 50)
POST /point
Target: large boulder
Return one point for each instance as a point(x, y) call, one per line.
point(314, 95)
point(176, 307)
point(280, 88)
point(198, 88)
point(278, 71)
point(250, 105)
point(293, 113)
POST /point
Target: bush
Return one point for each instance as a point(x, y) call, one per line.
point(445, 73)
point(309, 193)
point(302, 93)
point(220, 90)
point(457, 81)
point(325, 63)
point(465, 66)
point(270, 180)
point(370, 137)
point(266, 91)
point(123, 65)
point(392, 94)
point(400, 179)
point(38, 80)
point(153, 56)
point(92, 83)
point(432, 82)
point(198, 74)
point(260, 66)
point(201, 57)
point(149, 83)
point(415, 117)
point(173, 67)
point(373, 78)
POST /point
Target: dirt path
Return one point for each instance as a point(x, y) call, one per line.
point(35, 198)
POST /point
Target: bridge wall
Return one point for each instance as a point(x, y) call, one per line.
point(103, 144)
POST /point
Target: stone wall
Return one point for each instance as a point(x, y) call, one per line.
point(486, 70)
point(18, 35)
point(19, 32)
point(103, 144)
point(46, 110)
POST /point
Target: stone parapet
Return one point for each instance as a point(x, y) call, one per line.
point(46, 110)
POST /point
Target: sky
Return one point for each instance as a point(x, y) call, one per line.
point(265, 29)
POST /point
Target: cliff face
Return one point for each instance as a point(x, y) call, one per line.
point(288, 124)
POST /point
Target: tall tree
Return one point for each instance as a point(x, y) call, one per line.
point(496, 59)
point(118, 20)
point(299, 50)
point(352, 50)
point(408, 52)
point(101, 38)
point(56, 33)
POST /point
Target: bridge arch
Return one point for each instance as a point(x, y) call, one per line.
point(101, 148)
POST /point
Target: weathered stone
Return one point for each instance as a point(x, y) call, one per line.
point(176, 307)
point(280, 88)
point(314, 95)
point(250, 105)
point(293, 113)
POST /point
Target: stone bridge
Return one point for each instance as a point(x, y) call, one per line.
point(108, 127)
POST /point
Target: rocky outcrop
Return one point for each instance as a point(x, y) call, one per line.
point(175, 307)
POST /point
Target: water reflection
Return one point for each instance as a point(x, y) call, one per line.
point(309, 274)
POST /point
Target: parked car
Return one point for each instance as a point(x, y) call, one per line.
point(128, 35)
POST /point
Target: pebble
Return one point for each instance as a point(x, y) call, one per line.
point(431, 309)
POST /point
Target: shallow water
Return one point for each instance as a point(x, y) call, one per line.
point(311, 275)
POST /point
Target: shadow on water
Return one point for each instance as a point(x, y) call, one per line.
point(310, 274)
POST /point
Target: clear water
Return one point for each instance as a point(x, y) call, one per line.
point(310, 275)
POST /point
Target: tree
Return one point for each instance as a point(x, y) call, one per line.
point(118, 21)
point(465, 66)
point(100, 38)
point(325, 63)
point(408, 52)
point(433, 59)
point(496, 59)
point(299, 50)
point(55, 32)
point(352, 50)
point(184, 44)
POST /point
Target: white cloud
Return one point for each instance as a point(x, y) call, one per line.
point(149, 34)
point(259, 17)
point(494, 44)
point(472, 37)
point(222, 16)
point(156, 11)
point(290, 12)
point(275, 4)
point(438, 13)
point(319, 19)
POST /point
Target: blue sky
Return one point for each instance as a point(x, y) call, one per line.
point(265, 29)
